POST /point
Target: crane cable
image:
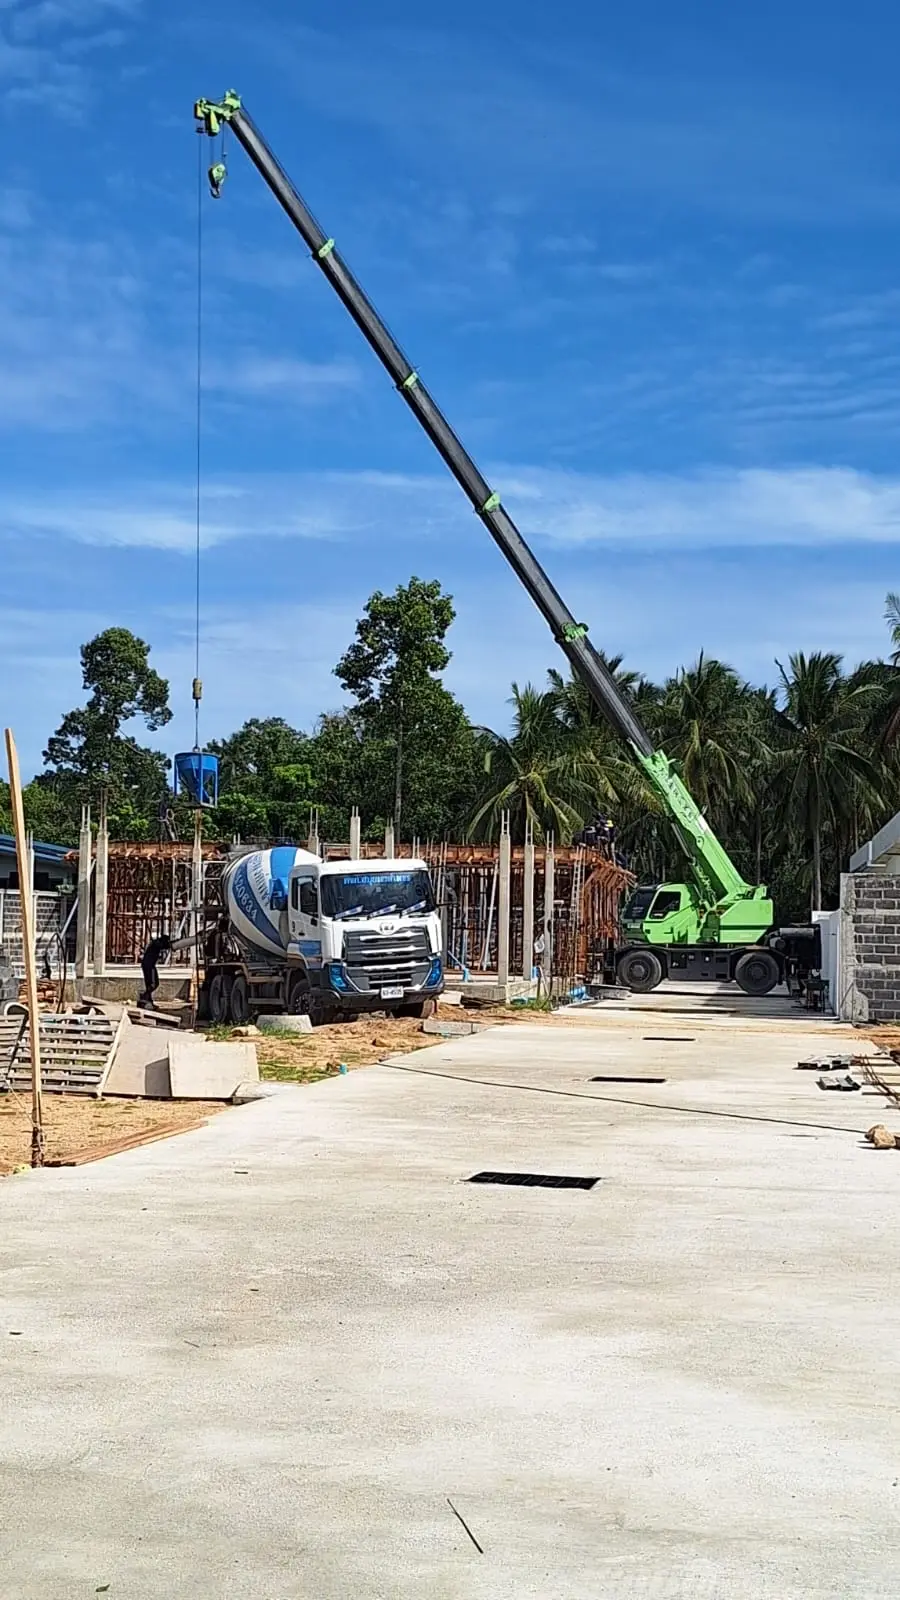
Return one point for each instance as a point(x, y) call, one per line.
point(197, 685)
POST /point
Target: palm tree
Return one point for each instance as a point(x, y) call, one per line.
point(574, 705)
point(543, 772)
point(892, 618)
point(710, 729)
point(825, 761)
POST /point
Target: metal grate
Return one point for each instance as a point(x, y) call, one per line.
point(608, 1078)
point(534, 1180)
point(669, 1038)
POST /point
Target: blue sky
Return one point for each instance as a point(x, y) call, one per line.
point(645, 257)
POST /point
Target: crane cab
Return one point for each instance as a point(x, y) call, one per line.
point(661, 913)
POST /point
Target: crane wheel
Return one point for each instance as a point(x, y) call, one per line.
point(639, 970)
point(757, 972)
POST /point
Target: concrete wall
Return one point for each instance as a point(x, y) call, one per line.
point(50, 914)
point(870, 947)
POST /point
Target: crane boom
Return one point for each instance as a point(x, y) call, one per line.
point(717, 882)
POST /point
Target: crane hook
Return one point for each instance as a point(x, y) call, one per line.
point(217, 174)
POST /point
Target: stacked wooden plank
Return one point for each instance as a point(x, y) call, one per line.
point(76, 1053)
point(11, 1029)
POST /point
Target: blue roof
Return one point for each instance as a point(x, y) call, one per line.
point(42, 852)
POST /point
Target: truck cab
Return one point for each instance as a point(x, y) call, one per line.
point(363, 935)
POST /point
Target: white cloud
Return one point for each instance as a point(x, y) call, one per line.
point(252, 373)
point(710, 509)
point(705, 510)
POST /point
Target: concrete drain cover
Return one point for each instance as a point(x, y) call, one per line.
point(605, 1078)
point(534, 1180)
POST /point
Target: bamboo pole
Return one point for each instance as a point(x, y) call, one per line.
point(31, 994)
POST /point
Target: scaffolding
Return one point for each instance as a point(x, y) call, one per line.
point(150, 890)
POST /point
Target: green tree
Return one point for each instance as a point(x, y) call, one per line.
point(544, 772)
point(266, 781)
point(89, 754)
point(823, 762)
point(411, 734)
point(710, 730)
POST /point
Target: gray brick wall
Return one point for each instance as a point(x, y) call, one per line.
point(875, 918)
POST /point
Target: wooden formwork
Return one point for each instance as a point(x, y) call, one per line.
point(150, 886)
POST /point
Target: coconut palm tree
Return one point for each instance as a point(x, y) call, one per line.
point(709, 727)
point(825, 762)
point(543, 772)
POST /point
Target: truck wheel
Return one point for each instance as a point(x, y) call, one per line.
point(419, 1008)
point(757, 972)
point(298, 996)
point(239, 1004)
point(639, 970)
point(218, 1000)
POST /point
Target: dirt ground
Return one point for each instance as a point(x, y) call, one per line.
point(887, 1035)
point(309, 1057)
point(75, 1122)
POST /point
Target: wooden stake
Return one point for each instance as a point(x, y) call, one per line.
point(26, 897)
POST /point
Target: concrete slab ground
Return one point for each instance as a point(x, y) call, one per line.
point(254, 1362)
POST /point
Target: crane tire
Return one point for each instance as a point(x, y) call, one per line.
point(757, 972)
point(639, 970)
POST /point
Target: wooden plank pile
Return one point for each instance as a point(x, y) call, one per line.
point(76, 1053)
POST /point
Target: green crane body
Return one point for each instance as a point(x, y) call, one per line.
point(715, 906)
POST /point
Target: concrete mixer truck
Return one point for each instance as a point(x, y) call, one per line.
point(329, 938)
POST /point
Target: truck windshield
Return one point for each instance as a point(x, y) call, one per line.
point(373, 894)
point(639, 904)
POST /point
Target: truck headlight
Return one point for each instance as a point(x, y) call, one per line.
point(336, 977)
point(436, 972)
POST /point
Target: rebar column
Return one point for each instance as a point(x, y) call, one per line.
point(549, 896)
point(503, 901)
point(101, 880)
point(528, 904)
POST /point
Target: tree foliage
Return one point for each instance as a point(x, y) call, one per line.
point(90, 755)
point(409, 744)
point(793, 777)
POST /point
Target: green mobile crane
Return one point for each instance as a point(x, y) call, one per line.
point(712, 926)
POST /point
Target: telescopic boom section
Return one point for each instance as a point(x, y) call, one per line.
point(571, 635)
point(716, 874)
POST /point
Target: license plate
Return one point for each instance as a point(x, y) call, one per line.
point(395, 992)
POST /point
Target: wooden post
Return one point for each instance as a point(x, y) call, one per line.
point(31, 994)
point(83, 924)
point(101, 878)
point(503, 902)
point(355, 834)
point(196, 908)
point(528, 905)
